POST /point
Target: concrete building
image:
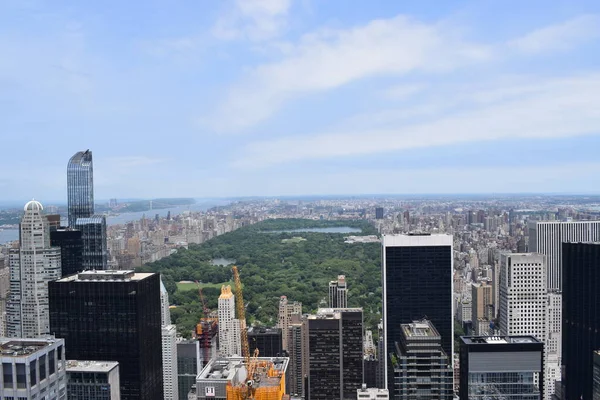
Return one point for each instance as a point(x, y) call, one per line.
point(286, 310)
point(226, 378)
point(33, 369)
point(417, 282)
point(32, 266)
point(298, 353)
point(113, 315)
point(501, 367)
point(421, 367)
point(365, 393)
point(93, 380)
point(335, 353)
point(4, 293)
point(169, 348)
point(338, 293)
point(482, 307)
point(229, 327)
point(553, 342)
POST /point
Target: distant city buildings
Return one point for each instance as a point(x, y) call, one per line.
point(417, 283)
point(338, 293)
point(33, 369)
point(229, 326)
point(501, 367)
point(116, 316)
point(93, 380)
point(32, 266)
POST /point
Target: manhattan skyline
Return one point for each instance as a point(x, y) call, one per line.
point(282, 97)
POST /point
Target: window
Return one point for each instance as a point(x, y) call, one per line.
point(42, 361)
point(7, 375)
point(51, 363)
point(32, 372)
point(21, 377)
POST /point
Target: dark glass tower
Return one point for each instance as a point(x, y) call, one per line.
point(116, 316)
point(335, 353)
point(268, 341)
point(581, 317)
point(417, 283)
point(93, 235)
point(188, 359)
point(71, 249)
point(80, 186)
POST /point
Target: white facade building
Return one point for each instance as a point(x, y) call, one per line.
point(553, 343)
point(286, 310)
point(524, 306)
point(169, 348)
point(230, 342)
point(93, 380)
point(32, 266)
point(372, 393)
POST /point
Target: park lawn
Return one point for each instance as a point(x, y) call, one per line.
point(183, 286)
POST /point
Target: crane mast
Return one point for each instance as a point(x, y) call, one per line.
point(241, 314)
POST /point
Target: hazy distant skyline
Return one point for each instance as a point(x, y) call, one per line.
point(281, 97)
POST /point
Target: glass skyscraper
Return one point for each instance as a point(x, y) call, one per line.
point(80, 186)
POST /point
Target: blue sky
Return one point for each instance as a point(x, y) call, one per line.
point(289, 97)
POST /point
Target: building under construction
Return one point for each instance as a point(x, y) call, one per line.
point(227, 379)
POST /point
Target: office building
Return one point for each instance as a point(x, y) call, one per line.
point(188, 361)
point(482, 304)
point(553, 343)
point(298, 353)
point(93, 380)
point(365, 393)
point(501, 367)
point(4, 292)
point(226, 378)
point(417, 283)
point(581, 321)
point(268, 341)
point(113, 315)
point(335, 353)
point(33, 369)
point(421, 368)
point(70, 243)
point(338, 293)
point(32, 266)
point(546, 237)
point(169, 348)
point(230, 342)
point(80, 186)
point(286, 310)
point(379, 213)
point(94, 238)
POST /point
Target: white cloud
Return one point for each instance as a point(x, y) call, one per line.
point(554, 108)
point(253, 19)
point(332, 58)
point(562, 36)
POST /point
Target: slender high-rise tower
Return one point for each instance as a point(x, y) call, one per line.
point(32, 266)
point(286, 311)
point(169, 348)
point(338, 293)
point(80, 186)
point(229, 327)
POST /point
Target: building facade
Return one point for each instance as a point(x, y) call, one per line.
point(32, 266)
point(286, 311)
point(169, 347)
point(80, 186)
point(268, 341)
point(417, 282)
point(230, 342)
point(94, 238)
point(338, 293)
point(113, 315)
point(33, 369)
point(421, 369)
point(93, 380)
point(70, 243)
point(482, 303)
point(335, 353)
point(298, 353)
point(581, 321)
point(188, 362)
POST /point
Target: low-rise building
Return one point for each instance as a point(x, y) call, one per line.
point(93, 380)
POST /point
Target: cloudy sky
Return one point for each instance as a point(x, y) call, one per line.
point(286, 97)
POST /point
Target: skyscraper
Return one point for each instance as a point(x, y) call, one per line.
point(298, 352)
point(581, 316)
point(499, 367)
point(482, 304)
point(546, 237)
point(335, 364)
point(286, 310)
point(268, 341)
point(230, 342)
point(188, 361)
point(80, 186)
point(94, 238)
point(338, 293)
point(422, 368)
point(417, 283)
point(116, 316)
point(71, 249)
point(32, 266)
point(169, 348)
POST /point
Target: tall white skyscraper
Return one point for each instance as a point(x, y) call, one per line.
point(524, 306)
point(230, 342)
point(169, 348)
point(32, 266)
point(338, 293)
point(286, 310)
point(546, 237)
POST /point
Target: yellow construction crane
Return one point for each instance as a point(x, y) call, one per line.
point(248, 387)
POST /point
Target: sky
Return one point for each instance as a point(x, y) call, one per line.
point(232, 98)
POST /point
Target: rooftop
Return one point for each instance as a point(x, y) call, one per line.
point(23, 347)
point(498, 339)
point(423, 328)
point(91, 366)
point(232, 369)
point(416, 240)
point(106, 275)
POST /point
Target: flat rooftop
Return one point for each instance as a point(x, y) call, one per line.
point(91, 366)
point(498, 339)
point(232, 369)
point(23, 347)
point(110, 275)
point(419, 329)
point(416, 240)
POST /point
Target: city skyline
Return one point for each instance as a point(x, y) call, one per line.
point(236, 98)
